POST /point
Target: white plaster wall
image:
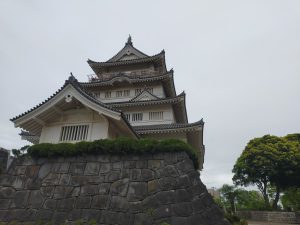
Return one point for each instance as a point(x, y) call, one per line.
point(157, 90)
point(98, 125)
point(166, 109)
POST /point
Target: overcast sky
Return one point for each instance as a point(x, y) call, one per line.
point(238, 61)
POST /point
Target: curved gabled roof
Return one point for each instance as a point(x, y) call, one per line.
point(128, 49)
point(72, 81)
point(153, 58)
point(128, 77)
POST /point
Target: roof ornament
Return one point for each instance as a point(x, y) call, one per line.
point(129, 41)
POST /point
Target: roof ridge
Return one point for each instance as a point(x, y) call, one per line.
point(74, 82)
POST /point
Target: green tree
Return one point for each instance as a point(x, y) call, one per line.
point(291, 199)
point(268, 161)
point(228, 194)
point(249, 200)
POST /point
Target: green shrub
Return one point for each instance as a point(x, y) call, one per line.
point(235, 220)
point(119, 146)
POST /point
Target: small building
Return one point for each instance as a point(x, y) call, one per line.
point(130, 95)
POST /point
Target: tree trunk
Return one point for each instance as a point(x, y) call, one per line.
point(275, 202)
point(265, 195)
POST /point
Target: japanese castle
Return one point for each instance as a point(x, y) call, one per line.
point(132, 95)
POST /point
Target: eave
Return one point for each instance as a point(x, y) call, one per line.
point(32, 120)
point(169, 128)
point(167, 80)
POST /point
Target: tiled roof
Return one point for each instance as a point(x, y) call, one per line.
point(163, 128)
point(148, 102)
point(126, 62)
point(132, 79)
point(73, 81)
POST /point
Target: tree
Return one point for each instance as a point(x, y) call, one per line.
point(291, 199)
point(249, 200)
point(228, 195)
point(265, 161)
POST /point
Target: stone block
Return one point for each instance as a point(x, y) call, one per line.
point(44, 170)
point(136, 207)
point(168, 183)
point(83, 202)
point(182, 195)
point(32, 171)
point(153, 186)
point(90, 189)
point(185, 166)
point(19, 170)
point(117, 165)
point(143, 219)
point(51, 179)
point(22, 215)
point(47, 192)
point(103, 158)
point(120, 187)
point(7, 192)
point(17, 182)
point(62, 192)
point(182, 209)
point(75, 215)
point(50, 204)
point(119, 204)
point(20, 199)
point(44, 214)
point(100, 201)
point(5, 203)
point(179, 220)
point(183, 181)
point(141, 164)
point(104, 188)
point(66, 204)
point(135, 175)
point(155, 164)
point(90, 214)
point(64, 167)
point(137, 191)
point(113, 176)
point(77, 168)
point(59, 217)
point(104, 168)
point(147, 174)
point(166, 197)
point(162, 212)
point(92, 168)
point(36, 199)
point(76, 192)
point(64, 179)
point(129, 164)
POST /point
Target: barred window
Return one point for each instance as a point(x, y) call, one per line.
point(126, 92)
point(137, 116)
point(127, 115)
point(156, 115)
point(74, 133)
point(97, 94)
point(119, 93)
point(138, 91)
point(108, 94)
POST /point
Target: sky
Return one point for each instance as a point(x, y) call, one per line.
point(238, 61)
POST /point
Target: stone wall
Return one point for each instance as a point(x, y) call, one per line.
point(279, 217)
point(4, 156)
point(127, 190)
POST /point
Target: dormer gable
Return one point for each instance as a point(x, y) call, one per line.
point(145, 95)
point(128, 53)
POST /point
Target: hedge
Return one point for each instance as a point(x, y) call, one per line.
point(120, 146)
